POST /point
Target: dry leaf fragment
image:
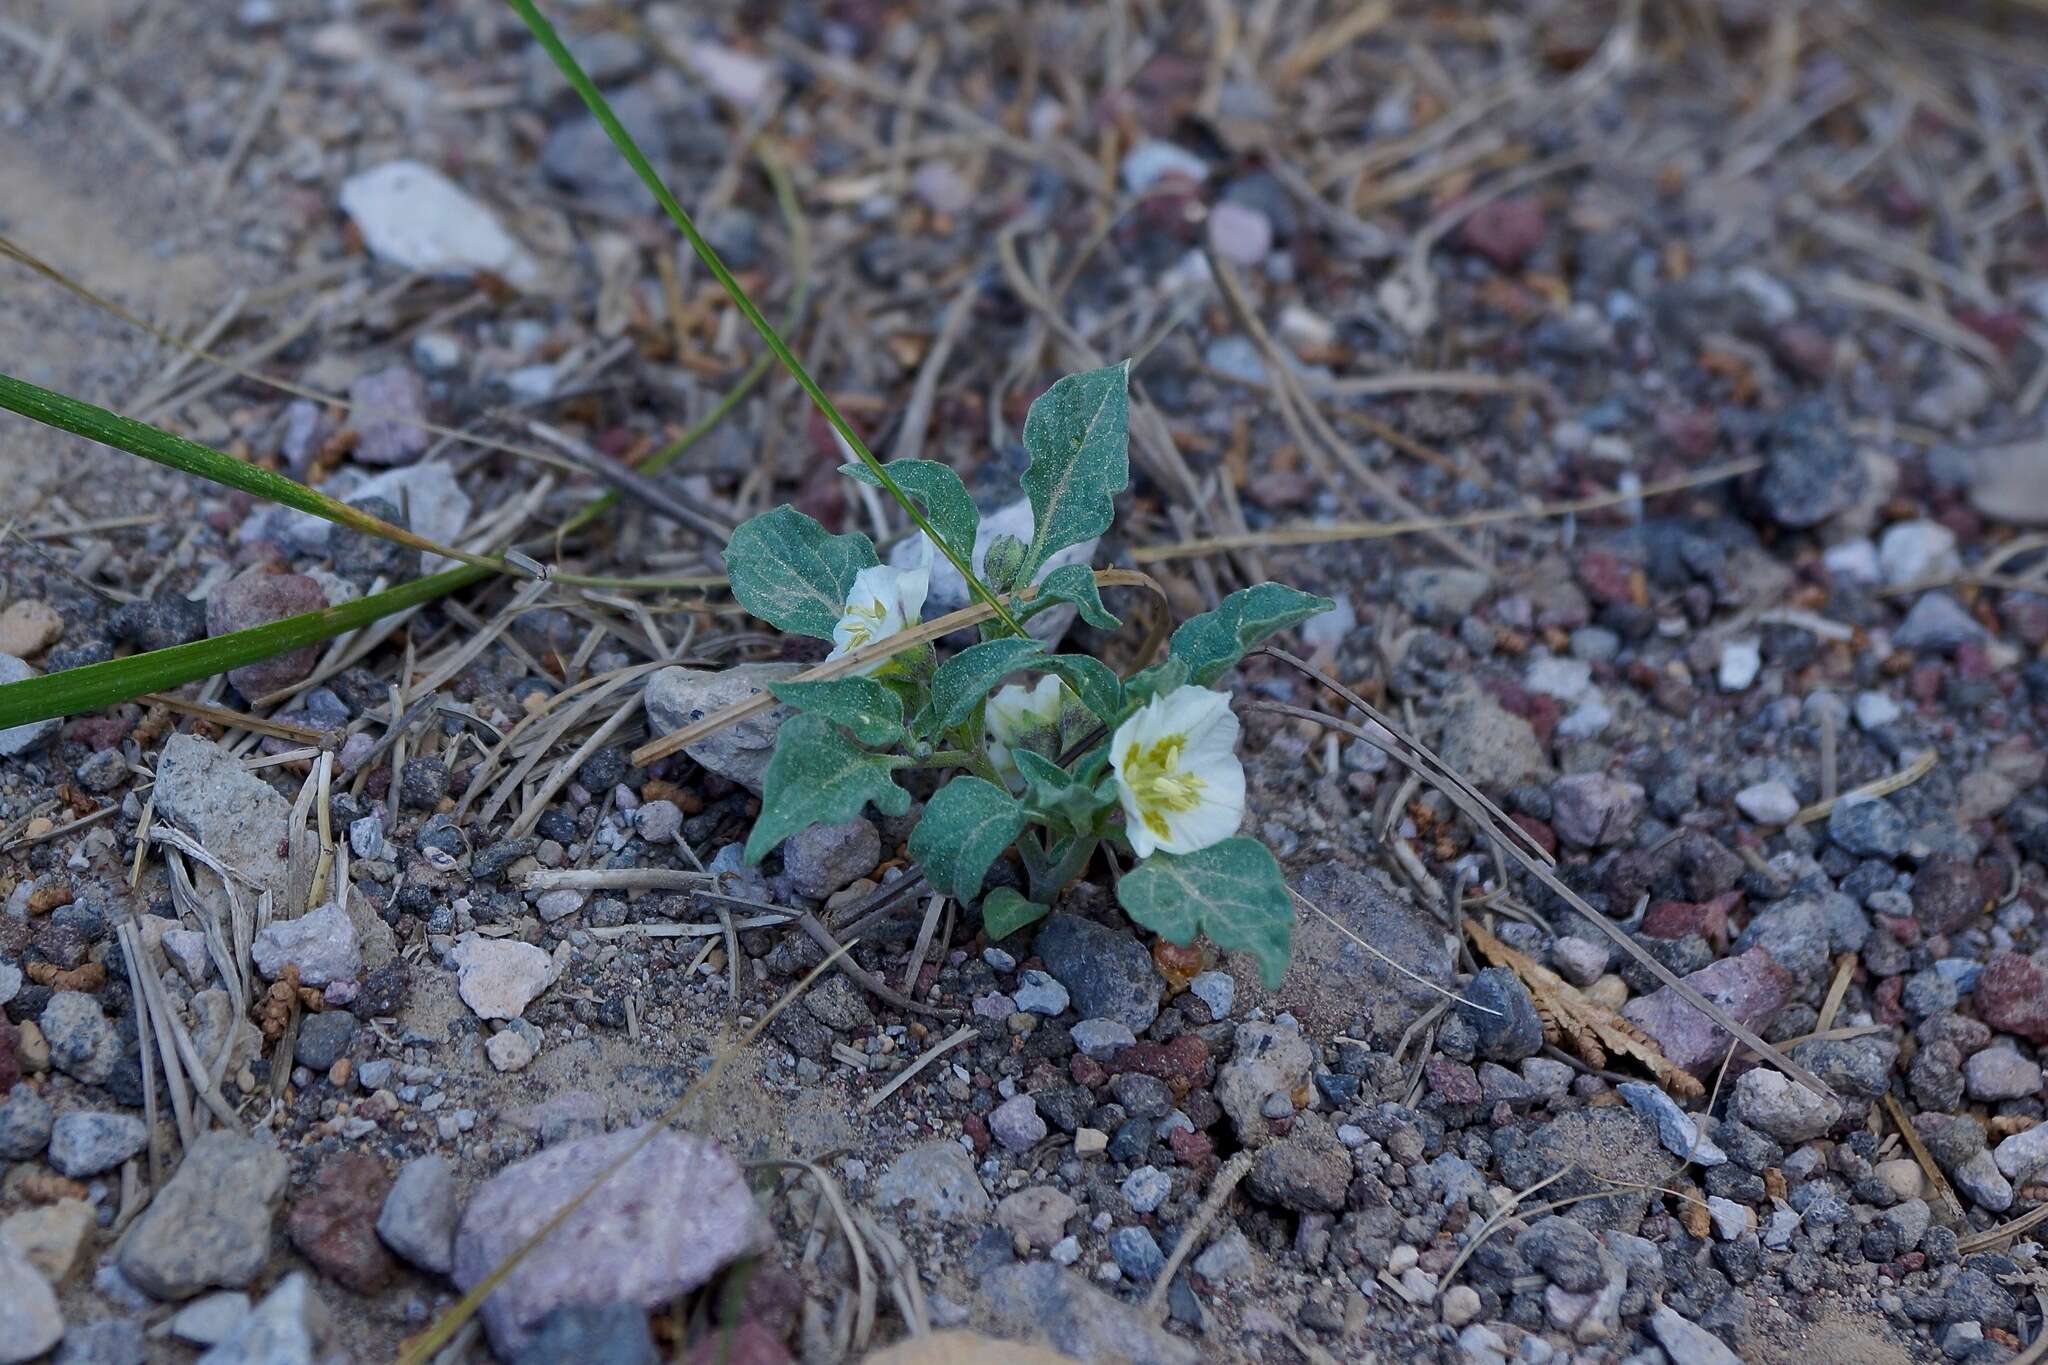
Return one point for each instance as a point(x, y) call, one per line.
point(1570, 1017)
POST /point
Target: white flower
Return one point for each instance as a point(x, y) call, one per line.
point(1018, 715)
point(1177, 772)
point(882, 602)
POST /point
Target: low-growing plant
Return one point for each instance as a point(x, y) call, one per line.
point(1078, 760)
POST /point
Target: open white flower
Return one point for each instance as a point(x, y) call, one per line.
point(883, 601)
point(1020, 716)
point(1177, 772)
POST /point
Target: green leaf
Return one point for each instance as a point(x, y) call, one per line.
point(966, 826)
point(793, 573)
point(1073, 583)
point(74, 690)
point(939, 491)
point(1004, 911)
point(1214, 641)
point(1078, 436)
point(963, 681)
point(1162, 677)
point(1232, 891)
point(820, 777)
point(1057, 793)
point(862, 705)
point(1004, 558)
point(1092, 680)
point(139, 438)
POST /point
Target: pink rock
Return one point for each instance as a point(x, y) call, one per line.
point(257, 599)
point(1506, 231)
point(384, 400)
point(1751, 988)
point(1240, 233)
point(2012, 994)
point(1593, 809)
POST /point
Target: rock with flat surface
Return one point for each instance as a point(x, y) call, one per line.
point(1269, 1060)
point(418, 1218)
point(1331, 970)
point(210, 1224)
point(290, 1327)
point(1751, 987)
point(321, 943)
point(19, 739)
point(937, 1179)
point(677, 697)
point(498, 977)
point(84, 1143)
point(1688, 1343)
point(413, 217)
point(205, 791)
point(1107, 972)
point(1039, 1299)
point(675, 1214)
point(30, 1321)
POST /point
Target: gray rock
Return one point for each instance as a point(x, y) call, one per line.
point(1308, 1170)
point(1795, 932)
point(1037, 1214)
point(1107, 972)
point(2010, 483)
point(1592, 810)
point(1676, 1129)
point(321, 943)
point(1226, 1258)
point(84, 1144)
point(186, 950)
point(594, 1334)
point(324, 1039)
point(2000, 1073)
point(26, 1120)
point(499, 977)
point(1037, 993)
point(1217, 990)
point(30, 1321)
point(1268, 1059)
point(1565, 1251)
point(110, 1341)
point(1146, 1188)
point(677, 1212)
point(415, 218)
point(677, 697)
point(838, 1004)
point(19, 739)
point(1016, 1123)
point(418, 1219)
point(937, 1179)
point(1136, 1252)
point(1687, 1343)
point(1493, 748)
point(1329, 964)
point(1039, 1299)
point(434, 504)
point(658, 821)
point(1868, 829)
point(1938, 623)
point(1441, 596)
point(10, 977)
point(384, 400)
point(1500, 1010)
point(1813, 469)
point(83, 1043)
point(257, 598)
point(820, 859)
point(1788, 1111)
point(210, 1224)
point(578, 152)
point(1768, 803)
point(1102, 1039)
point(205, 791)
point(290, 1327)
point(1978, 1177)
point(211, 1320)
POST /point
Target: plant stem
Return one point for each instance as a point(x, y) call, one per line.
point(943, 758)
point(545, 34)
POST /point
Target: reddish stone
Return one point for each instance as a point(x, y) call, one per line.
point(976, 1129)
point(750, 1343)
point(1087, 1071)
point(772, 1297)
point(1537, 830)
point(256, 599)
point(103, 731)
point(2012, 994)
point(1803, 349)
point(1886, 1007)
point(1950, 891)
point(1690, 431)
point(10, 1064)
point(2002, 328)
point(1452, 1082)
point(2026, 615)
point(1751, 988)
point(1923, 684)
point(1544, 714)
point(1506, 231)
point(1182, 1063)
point(1607, 577)
point(1676, 919)
point(1194, 1150)
point(335, 1226)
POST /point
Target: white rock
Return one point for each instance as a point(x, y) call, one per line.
point(211, 1320)
point(1731, 1219)
point(509, 1050)
point(1785, 1109)
point(1853, 561)
point(322, 943)
point(1154, 159)
point(413, 216)
point(1768, 803)
point(499, 977)
point(1740, 662)
point(1912, 550)
point(1566, 679)
point(30, 1321)
point(2023, 1155)
point(19, 739)
point(1875, 710)
point(186, 949)
point(1688, 1343)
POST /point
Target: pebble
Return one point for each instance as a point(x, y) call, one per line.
point(26, 1121)
point(1153, 159)
point(1240, 233)
point(333, 1223)
point(677, 1212)
point(499, 977)
point(291, 1326)
point(1146, 1188)
point(2000, 1073)
point(30, 1321)
point(1461, 1304)
point(1788, 1111)
point(82, 1041)
point(321, 943)
point(19, 739)
point(937, 1179)
point(255, 599)
point(1494, 748)
point(2010, 483)
point(1581, 961)
point(187, 951)
point(1506, 231)
point(1912, 550)
point(384, 400)
point(1016, 1124)
point(1751, 986)
point(1137, 1254)
point(419, 1214)
point(1741, 660)
point(658, 822)
point(1107, 973)
point(617, 1334)
point(83, 1143)
point(415, 218)
point(1730, 1219)
point(1812, 468)
point(1939, 624)
point(1267, 1059)
point(1686, 1342)
point(558, 904)
point(1037, 1215)
point(509, 1050)
point(211, 1320)
point(1037, 993)
point(1768, 803)
point(1852, 561)
point(1102, 1039)
point(1676, 1129)
point(1501, 1012)
point(29, 627)
point(51, 1236)
point(1073, 1317)
point(1871, 828)
point(324, 1039)
point(2023, 1155)
point(210, 1224)
point(1229, 1257)
point(677, 697)
point(820, 859)
point(1217, 990)
point(1592, 810)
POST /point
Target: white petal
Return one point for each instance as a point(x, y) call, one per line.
point(1143, 843)
point(914, 584)
point(1215, 819)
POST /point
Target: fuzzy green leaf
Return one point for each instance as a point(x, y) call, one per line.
point(960, 683)
point(1073, 583)
point(1078, 436)
point(939, 492)
point(1210, 644)
point(793, 573)
point(1162, 677)
point(862, 705)
point(1092, 680)
point(820, 777)
point(1233, 892)
point(966, 826)
point(1004, 911)
point(1058, 794)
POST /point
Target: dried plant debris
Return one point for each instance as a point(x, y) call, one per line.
point(1571, 1019)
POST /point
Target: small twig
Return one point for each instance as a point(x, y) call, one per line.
point(1922, 764)
point(861, 977)
point(903, 1077)
point(1226, 1180)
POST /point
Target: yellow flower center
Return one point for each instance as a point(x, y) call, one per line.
point(1157, 779)
point(862, 622)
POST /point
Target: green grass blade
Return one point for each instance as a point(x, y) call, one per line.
point(118, 680)
point(139, 438)
point(573, 72)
